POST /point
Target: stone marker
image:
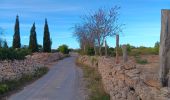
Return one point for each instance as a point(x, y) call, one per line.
point(164, 52)
point(125, 56)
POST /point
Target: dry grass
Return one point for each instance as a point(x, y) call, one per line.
point(94, 83)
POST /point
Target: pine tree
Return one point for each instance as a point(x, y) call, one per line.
point(16, 37)
point(33, 46)
point(46, 39)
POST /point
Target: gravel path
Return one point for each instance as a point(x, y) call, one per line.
point(62, 82)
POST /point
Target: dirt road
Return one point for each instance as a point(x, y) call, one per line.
point(62, 82)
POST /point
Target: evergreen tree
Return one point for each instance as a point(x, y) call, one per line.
point(33, 46)
point(5, 44)
point(16, 37)
point(46, 39)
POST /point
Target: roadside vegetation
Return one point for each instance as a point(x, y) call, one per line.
point(63, 49)
point(132, 51)
point(139, 60)
point(93, 83)
point(13, 54)
point(7, 87)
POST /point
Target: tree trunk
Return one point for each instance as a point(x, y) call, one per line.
point(164, 52)
point(95, 50)
point(117, 46)
point(100, 46)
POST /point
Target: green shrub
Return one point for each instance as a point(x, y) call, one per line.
point(111, 52)
point(139, 60)
point(144, 51)
point(90, 51)
point(11, 54)
point(3, 88)
point(63, 49)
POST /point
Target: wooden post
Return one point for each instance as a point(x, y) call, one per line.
point(164, 52)
point(105, 48)
point(117, 46)
point(125, 56)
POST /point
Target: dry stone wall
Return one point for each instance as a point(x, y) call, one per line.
point(124, 81)
point(10, 70)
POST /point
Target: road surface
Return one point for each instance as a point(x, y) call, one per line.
point(62, 82)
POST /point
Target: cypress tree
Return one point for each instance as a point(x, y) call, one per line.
point(16, 37)
point(5, 44)
point(46, 39)
point(33, 46)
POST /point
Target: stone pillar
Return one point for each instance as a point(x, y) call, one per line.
point(117, 46)
point(164, 52)
point(125, 55)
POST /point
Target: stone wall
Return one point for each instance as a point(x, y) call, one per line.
point(125, 81)
point(10, 70)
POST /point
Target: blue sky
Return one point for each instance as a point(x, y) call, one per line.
point(141, 18)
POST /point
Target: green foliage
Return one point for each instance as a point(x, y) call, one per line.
point(111, 52)
point(16, 38)
point(139, 60)
point(90, 51)
point(3, 88)
point(33, 46)
point(63, 49)
point(143, 51)
point(7, 86)
point(156, 47)
point(11, 54)
point(46, 39)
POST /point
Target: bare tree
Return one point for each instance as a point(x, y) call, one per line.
point(97, 26)
point(84, 36)
point(103, 23)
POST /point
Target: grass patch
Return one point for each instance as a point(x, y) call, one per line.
point(7, 87)
point(94, 60)
point(94, 83)
point(139, 60)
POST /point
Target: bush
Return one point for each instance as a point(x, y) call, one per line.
point(3, 88)
point(90, 51)
point(63, 49)
point(11, 54)
point(111, 52)
point(144, 51)
point(139, 60)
